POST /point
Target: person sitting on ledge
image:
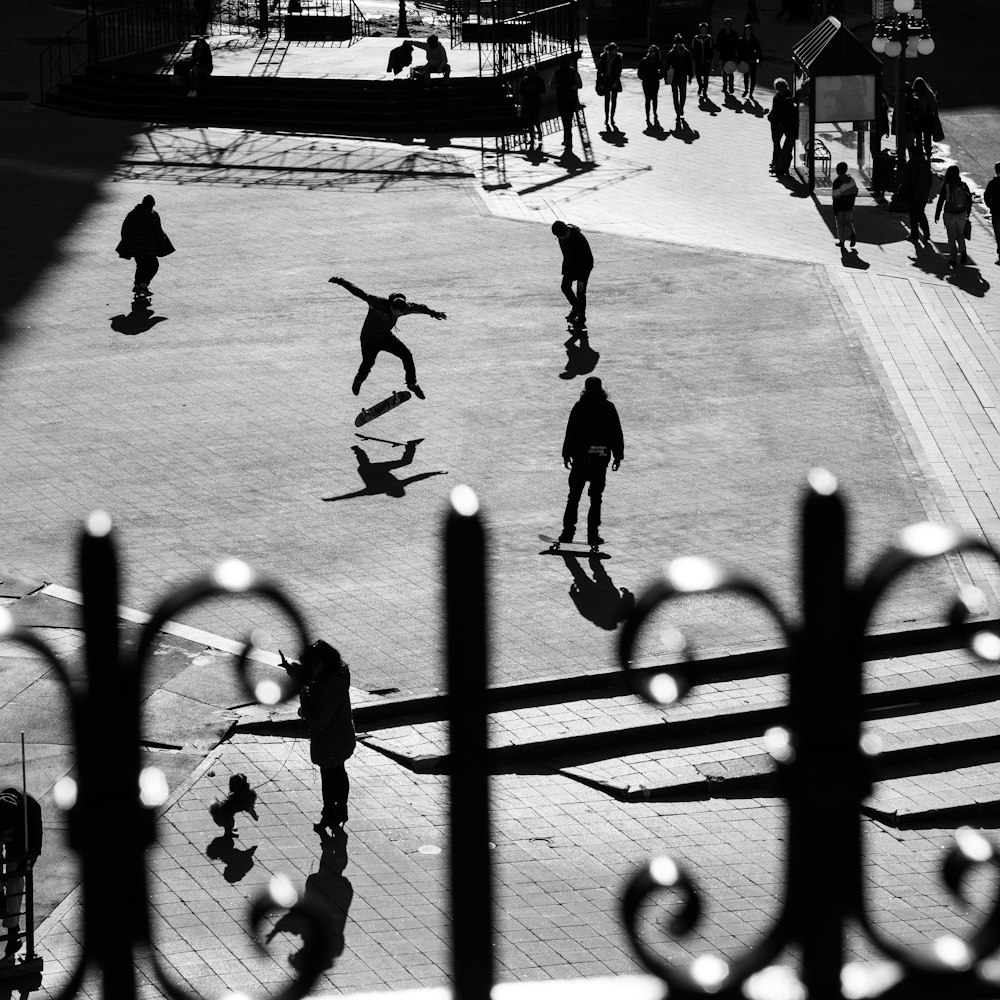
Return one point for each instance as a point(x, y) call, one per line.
point(437, 59)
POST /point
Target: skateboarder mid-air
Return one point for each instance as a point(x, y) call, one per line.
point(377, 335)
point(593, 438)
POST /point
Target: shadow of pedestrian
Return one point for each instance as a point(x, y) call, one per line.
point(329, 891)
point(707, 105)
point(581, 358)
point(237, 862)
point(595, 596)
point(733, 103)
point(850, 257)
point(535, 155)
point(969, 279)
point(684, 132)
point(752, 106)
point(139, 320)
point(378, 477)
point(656, 132)
point(614, 137)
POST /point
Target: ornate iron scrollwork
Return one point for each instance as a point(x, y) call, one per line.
point(112, 800)
point(824, 767)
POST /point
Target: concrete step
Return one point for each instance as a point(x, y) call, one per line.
point(739, 708)
point(911, 744)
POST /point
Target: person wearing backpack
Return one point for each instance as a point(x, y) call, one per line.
point(955, 200)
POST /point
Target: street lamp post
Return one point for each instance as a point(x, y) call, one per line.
point(902, 36)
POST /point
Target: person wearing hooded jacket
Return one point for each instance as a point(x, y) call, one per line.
point(593, 438)
point(144, 240)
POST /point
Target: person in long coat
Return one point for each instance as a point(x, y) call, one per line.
point(144, 240)
point(325, 704)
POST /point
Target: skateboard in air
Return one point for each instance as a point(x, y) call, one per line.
point(557, 548)
point(384, 406)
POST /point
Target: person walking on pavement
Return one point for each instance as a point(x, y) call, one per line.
point(143, 239)
point(915, 189)
point(748, 53)
point(578, 262)
point(991, 198)
point(845, 191)
point(649, 72)
point(325, 705)
point(593, 438)
point(609, 81)
point(377, 335)
point(677, 71)
point(726, 46)
point(531, 89)
point(955, 200)
point(702, 50)
point(567, 83)
point(928, 120)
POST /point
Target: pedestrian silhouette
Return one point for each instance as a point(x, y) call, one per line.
point(325, 704)
point(330, 892)
point(593, 438)
point(378, 477)
point(597, 598)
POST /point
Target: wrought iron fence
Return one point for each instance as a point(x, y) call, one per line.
point(111, 34)
point(65, 56)
point(823, 762)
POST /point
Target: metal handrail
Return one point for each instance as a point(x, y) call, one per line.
point(110, 34)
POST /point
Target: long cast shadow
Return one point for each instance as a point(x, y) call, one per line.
point(139, 320)
point(378, 477)
point(581, 358)
point(330, 891)
point(595, 595)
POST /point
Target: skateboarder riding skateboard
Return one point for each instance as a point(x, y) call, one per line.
point(593, 438)
point(377, 335)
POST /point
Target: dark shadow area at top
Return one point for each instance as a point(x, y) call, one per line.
point(330, 892)
point(378, 476)
point(53, 163)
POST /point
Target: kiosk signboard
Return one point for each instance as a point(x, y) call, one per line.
point(846, 98)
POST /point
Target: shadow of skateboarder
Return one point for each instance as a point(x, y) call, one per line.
point(595, 596)
point(378, 477)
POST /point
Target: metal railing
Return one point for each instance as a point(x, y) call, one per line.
point(511, 44)
point(65, 56)
point(823, 762)
point(111, 34)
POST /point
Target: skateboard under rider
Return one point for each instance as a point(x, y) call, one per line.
point(384, 406)
point(558, 548)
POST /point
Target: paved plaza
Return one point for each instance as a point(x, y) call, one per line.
point(742, 349)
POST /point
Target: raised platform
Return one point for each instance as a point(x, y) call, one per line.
point(364, 59)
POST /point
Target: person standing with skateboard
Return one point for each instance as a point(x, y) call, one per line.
point(377, 335)
point(578, 262)
point(593, 438)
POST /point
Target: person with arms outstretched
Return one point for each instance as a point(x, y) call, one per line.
point(377, 335)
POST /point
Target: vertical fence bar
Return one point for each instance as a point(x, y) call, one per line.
point(467, 670)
